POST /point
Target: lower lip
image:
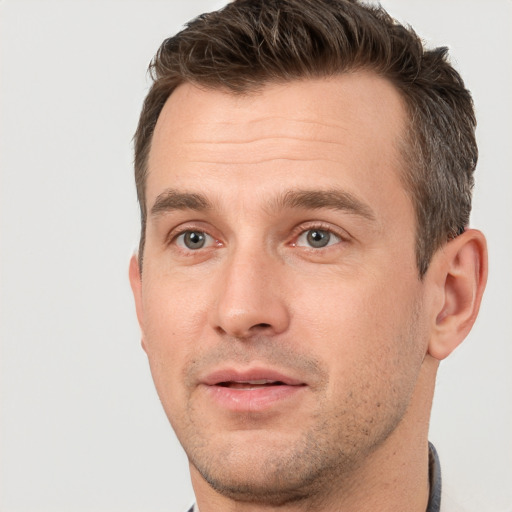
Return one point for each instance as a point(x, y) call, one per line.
point(253, 399)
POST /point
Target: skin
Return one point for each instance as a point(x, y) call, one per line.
point(351, 322)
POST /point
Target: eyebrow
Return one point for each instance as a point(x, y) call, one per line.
point(171, 200)
point(333, 199)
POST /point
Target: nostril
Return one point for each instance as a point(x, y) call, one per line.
point(262, 326)
point(252, 331)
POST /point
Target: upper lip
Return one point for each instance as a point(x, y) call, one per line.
point(249, 375)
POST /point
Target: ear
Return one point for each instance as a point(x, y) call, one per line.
point(136, 284)
point(460, 269)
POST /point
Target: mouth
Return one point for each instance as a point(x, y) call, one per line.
point(250, 378)
point(254, 390)
point(251, 384)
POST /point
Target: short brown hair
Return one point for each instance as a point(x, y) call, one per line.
point(250, 43)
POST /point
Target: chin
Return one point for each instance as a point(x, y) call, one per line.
point(286, 470)
point(259, 485)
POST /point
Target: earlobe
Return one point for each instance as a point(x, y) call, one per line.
point(136, 285)
point(462, 274)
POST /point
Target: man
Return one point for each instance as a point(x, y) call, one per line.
point(304, 170)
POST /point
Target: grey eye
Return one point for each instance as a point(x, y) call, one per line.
point(317, 238)
point(192, 239)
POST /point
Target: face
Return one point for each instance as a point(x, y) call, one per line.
point(280, 304)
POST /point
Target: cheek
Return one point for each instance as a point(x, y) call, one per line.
point(174, 322)
point(173, 308)
point(372, 343)
point(366, 323)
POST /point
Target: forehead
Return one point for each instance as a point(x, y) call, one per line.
point(344, 129)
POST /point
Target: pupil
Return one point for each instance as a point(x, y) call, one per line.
point(318, 238)
point(194, 239)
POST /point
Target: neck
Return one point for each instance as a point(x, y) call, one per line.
point(394, 477)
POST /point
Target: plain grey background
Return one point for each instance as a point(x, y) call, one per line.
point(81, 427)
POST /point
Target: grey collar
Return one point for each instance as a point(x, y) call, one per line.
point(434, 476)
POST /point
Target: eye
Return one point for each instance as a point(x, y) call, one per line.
point(317, 238)
point(194, 240)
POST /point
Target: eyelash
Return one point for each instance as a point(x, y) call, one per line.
point(296, 233)
point(174, 235)
point(320, 226)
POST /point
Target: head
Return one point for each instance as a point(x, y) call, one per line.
point(303, 169)
point(249, 44)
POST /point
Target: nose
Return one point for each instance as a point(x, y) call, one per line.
point(251, 298)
